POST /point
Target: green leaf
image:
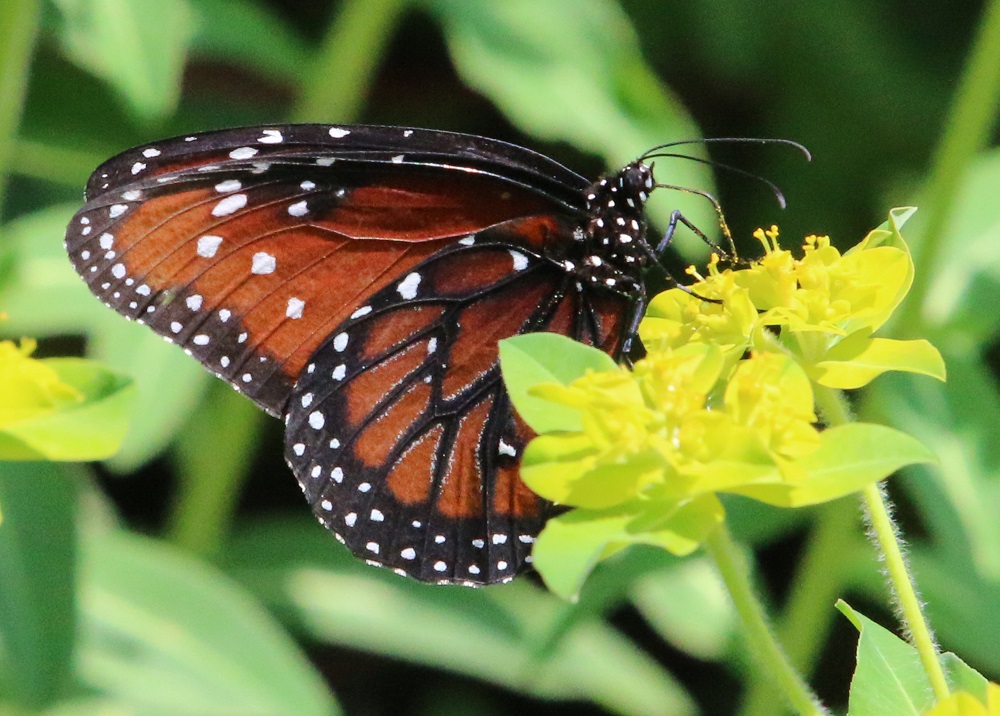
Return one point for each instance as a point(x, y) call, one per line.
point(37, 579)
point(91, 429)
point(889, 678)
point(139, 48)
point(962, 677)
point(966, 276)
point(248, 34)
point(488, 634)
point(535, 358)
point(166, 634)
point(43, 296)
point(689, 607)
point(858, 359)
point(848, 458)
point(960, 599)
point(585, 83)
point(572, 544)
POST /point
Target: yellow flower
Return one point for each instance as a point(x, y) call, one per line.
point(822, 308)
point(28, 387)
point(962, 703)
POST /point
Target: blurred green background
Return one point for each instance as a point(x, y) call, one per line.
point(186, 575)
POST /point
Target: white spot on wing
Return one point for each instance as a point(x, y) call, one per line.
point(339, 372)
point(407, 288)
point(295, 306)
point(200, 340)
point(243, 153)
point(208, 245)
point(299, 208)
point(271, 136)
point(118, 271)
point(194, 302)
point(230, 205)
point(338, 132)
point(363, 311)
point(151, 152)
point(316, 420)
point(224, 187)
point(138, 167)
point(377, 516)
point(340, 342)
point(409, 553)
point(117, 210)
point(263, 263)
point(520, 260)
point(106, 241)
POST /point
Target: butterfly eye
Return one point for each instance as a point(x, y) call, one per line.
point(355, 281)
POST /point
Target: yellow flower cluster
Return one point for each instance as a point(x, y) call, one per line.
point(724, 399)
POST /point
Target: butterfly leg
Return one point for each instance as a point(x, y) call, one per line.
point(638, 310)
point(668, 235)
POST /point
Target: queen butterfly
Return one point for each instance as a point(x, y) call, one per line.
point(355, 280)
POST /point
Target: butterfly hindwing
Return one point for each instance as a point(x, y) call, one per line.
point(400, 431)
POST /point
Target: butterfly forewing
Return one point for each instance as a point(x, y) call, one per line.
point(247, 247)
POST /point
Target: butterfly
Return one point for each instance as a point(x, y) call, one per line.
point(354, 280)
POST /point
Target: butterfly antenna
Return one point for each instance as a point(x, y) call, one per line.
point(731, 140)
point(775, 189)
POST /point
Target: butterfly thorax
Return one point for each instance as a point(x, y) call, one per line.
point(615, 234)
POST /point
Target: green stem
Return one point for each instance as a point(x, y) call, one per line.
point(19, 22)
point(807, 616)
point(886, 535)
point(968, 128)
point(885, 532)
point(211, 478)
point(338, 82)
point(771, 659)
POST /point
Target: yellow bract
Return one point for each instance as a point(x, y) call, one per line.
point(28, 387)
point(962, 703)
